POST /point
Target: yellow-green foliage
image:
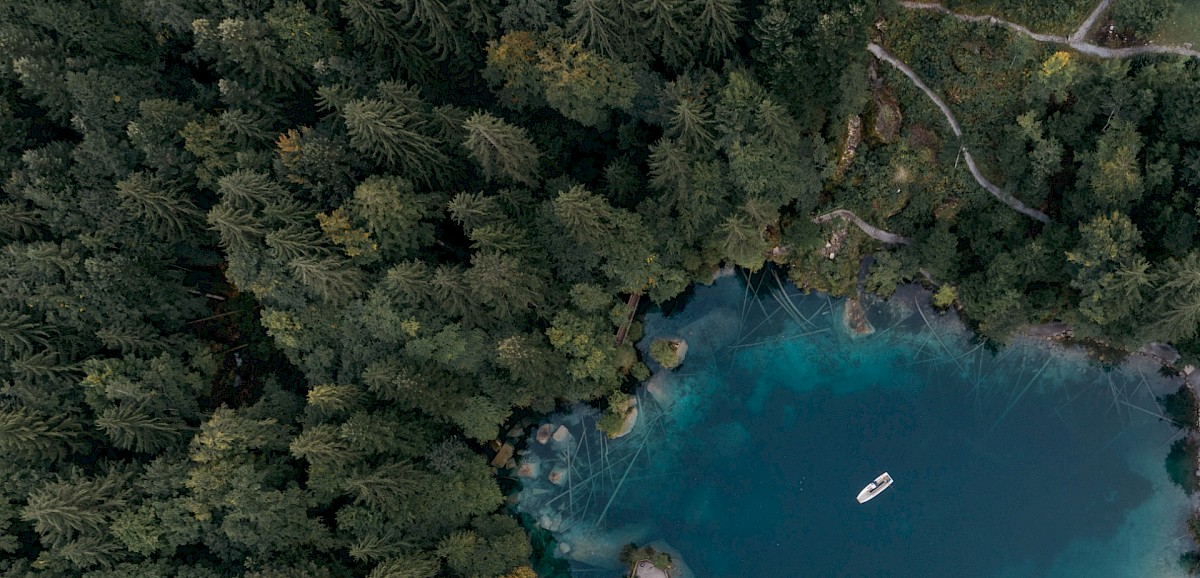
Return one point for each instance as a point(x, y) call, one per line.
point(665, 352)
point(613, 419)
point(945, 296)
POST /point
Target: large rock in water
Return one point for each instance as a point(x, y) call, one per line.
point(661, 387)
point(646, 569)
point(631, 417)
point(855, 319)
point(679, 568)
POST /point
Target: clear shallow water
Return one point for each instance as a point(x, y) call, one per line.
point(1026, 461)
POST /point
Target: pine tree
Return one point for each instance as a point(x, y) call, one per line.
point(325, 401)
point(581, 85)
point(244, 48)
point(385, 33)
point(163, 209)
point(322, 447)
point(130, 427)
point(155, 133)
point(501, 148)
point(585, 215)
point(249, 189)
point(396, 216)
point(384, 487)
point(90, 551)
point(433, 16)
point(294, 241)
point(240, 230)
point(740, 241)
point(718, 23)
point(247, 127)
point(1176, 315)
point(44, 365)
point(331, 278)
point(409, 280)
point(18, 222)
point(20, 334)
point(393, 135)
point(473, 210)
point(448, 289)
point(503, 283)
point(65, 509)
point(669, 166)
point(665, 26)
point(691, 125)
point(500, 237)
point(592, 23)
point(132, 336)
point(30, 435)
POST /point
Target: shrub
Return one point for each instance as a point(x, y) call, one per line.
point(664, 351)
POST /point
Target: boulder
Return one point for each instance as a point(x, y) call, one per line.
point(543, 433)
point(721, 272)
point(631, 417)
point(562, 434)
point(679, 568)
point(1162, 352)
point(504, 454)
point(528, 469)
point(646, 569)
point(558, 475)
point(855, 319)
point(662, 389)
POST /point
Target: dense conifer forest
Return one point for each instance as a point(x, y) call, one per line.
point(276, 272)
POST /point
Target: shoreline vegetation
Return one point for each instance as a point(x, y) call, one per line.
point(280, 277)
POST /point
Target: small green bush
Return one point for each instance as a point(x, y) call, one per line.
point(613, 418)
point(945, 297)
point(664, 352)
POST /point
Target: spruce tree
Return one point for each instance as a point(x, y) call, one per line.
point(473, 210)
point(592, 23)
point(501, 148)
point(163, 209)
point(130, 427)
point(393, 135)
point(27, 434)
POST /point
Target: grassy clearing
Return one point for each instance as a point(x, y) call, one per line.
point(1057, 17)
point(1182, 27)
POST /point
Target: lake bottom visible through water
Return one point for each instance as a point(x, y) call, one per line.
point(1023, 460)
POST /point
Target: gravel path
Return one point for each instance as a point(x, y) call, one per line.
point(997, 192)
point(871, 230)
point(1076, 40)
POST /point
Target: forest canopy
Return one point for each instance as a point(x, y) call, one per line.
point(276, 273)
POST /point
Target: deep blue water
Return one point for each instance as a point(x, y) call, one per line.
point(1022, 460)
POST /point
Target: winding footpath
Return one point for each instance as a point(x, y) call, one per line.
point(871, 231)
point(997, 192)
point(1075, 40)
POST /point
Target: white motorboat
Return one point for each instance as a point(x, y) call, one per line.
point(874, 488)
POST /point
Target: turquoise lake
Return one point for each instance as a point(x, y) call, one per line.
point(1022, 460)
